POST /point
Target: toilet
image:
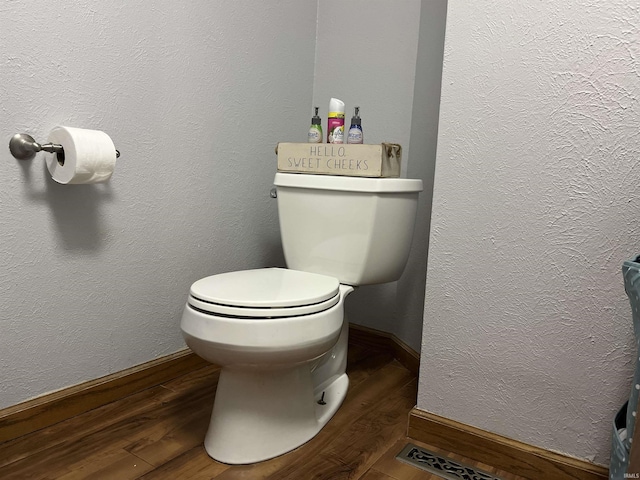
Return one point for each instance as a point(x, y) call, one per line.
point(280, 334)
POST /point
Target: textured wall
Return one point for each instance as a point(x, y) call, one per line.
point(195, 95)
point(527, 327)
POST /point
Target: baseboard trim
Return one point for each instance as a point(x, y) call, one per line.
point(52, 408)
point(501, 452)
point(386, 342)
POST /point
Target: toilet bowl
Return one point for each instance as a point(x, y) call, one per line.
point(280, 335)
point(275, 333)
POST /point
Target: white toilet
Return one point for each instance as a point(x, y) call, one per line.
point(279, 334)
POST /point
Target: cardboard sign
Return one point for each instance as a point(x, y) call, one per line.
point(340, 159)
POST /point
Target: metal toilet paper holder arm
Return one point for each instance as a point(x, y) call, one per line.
point(24, 147)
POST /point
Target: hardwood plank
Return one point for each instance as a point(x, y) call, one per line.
point(193, 464)
point(49, 409)
point(176, 438)
point(373, 474)
point(106, 416)
point(501, 452)
point(82, 425)
point(147, 425)
point(175, 427)
point(118, 464)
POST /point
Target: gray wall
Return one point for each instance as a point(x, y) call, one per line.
point(422, 147)
point(195, 95)
point(386, 57)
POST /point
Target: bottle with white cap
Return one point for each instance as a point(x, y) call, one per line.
point(335, 121)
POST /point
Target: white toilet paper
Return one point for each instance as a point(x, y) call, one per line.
point(89, 156)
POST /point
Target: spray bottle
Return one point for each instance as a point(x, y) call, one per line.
point(355, 131)
point(335, 121)
point(315, 131)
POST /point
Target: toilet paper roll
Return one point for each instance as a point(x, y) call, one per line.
point(89, 156)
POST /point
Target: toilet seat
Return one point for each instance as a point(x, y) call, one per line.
point(264, 293)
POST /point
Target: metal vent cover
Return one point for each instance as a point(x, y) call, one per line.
point(443, 467)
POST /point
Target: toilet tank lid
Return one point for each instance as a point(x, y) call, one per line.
point(348, 184)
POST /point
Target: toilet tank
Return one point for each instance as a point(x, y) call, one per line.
point(358, 230)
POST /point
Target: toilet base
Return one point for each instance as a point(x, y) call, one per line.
point(260, 414)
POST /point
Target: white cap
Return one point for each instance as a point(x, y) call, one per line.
point(336, 106)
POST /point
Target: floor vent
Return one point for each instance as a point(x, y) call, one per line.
point(443, 467)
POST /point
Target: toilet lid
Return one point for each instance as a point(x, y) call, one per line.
point(265, 292)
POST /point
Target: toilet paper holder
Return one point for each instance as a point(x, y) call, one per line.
point(24, 147)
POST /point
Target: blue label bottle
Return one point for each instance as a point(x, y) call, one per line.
point(355, 131)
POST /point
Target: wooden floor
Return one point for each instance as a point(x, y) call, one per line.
point(158, 434)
